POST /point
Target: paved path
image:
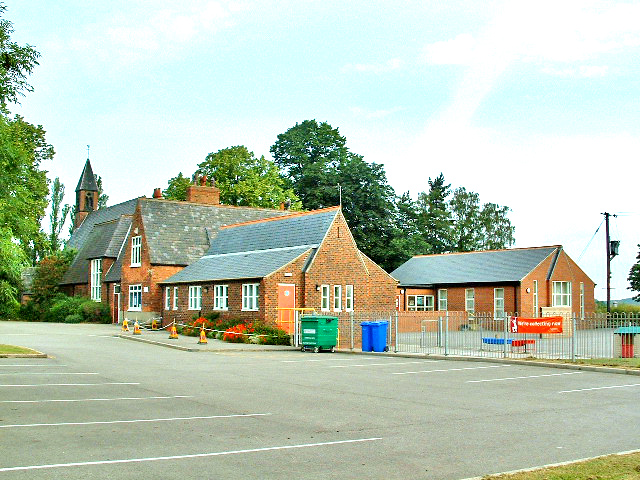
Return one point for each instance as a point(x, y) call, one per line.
point(105, 407)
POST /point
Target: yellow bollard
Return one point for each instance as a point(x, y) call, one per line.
point(125, 325)
point(173, 333)
point(203, 337)
point(154, 324)
point(136, 329)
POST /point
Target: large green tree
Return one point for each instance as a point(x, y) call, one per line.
point(246, 180)
point(478, 227)
point(177, 188)
point(323, 172)
point(634, 277)
point(434, 215)
point(23, 185)
point(58, 215)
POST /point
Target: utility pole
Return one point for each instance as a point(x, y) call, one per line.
point(611, 252)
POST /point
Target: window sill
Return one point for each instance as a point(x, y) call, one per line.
point(250, 310)
point(221, 309)
point(135, 265)
point(134, 310)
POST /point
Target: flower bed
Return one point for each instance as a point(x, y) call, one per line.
point(235, 330)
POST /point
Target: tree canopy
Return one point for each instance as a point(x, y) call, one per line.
point(23, 185)
point(245, 180)
point(634, 277)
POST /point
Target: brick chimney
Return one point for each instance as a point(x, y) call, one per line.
point(157, 193)
point(203, 193)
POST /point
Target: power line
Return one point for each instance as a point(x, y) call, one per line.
point(594, 236)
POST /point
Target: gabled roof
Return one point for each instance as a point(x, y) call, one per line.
point(179, 233)
point(492, 266)
point(87, 179)
point(257, 249)
point(102, 215)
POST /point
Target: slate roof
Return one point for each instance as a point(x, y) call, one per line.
point(494, 266)
point(87, 179)
point(102, 215)
point(179, 233)
point(257, 249)
point(104, 240)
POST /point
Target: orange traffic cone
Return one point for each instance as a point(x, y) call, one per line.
point(203, 337)
point(136, 329)
point(173, 333)
point(125, 325)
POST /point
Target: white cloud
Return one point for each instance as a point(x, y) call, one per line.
point(457, 51)
point(583, 71)
point(377, 68)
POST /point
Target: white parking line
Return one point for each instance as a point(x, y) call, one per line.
point(50, 373)
point(333, 359)
point(383, 364)
point(95, 399)
point(600, 388)
point(449, 369)
point(31, 366)
point(70, 384)
point(194, 455)
point(149, 420)
point(520, 378)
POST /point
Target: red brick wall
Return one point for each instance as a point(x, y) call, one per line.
point(146, 274)
point(337, 262)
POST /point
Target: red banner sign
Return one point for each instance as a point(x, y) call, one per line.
point(535, 325)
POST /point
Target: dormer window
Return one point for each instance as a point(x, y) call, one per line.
point(136, 247)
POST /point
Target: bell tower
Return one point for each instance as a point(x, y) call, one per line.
point(86, 194)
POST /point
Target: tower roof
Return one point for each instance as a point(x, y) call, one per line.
point(87, 180)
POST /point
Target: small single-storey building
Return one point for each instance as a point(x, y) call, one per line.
point(523, 281)
point(270, 269)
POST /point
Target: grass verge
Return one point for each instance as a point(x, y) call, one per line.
point(13, 349)
point(598, 362)
point(611, 467)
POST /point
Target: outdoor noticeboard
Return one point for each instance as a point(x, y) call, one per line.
point(535, 325)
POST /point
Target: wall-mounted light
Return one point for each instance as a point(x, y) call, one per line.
point(206, 289)
point(317, 287)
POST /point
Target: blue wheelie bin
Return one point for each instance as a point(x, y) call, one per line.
point(379, 336)
point(366, 337)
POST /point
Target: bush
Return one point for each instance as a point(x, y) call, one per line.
point(74, 318)
point(63, 307)
point(29, 312)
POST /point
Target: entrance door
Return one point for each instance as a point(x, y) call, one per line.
point(286, 307)
point(117, 315)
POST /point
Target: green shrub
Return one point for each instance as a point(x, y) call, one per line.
point(61, 307)
point(29, 312)
point(95, 312)
point(74, 318)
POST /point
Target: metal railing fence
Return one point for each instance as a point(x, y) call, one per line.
point(488, 335)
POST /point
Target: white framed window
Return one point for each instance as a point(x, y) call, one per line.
point(561, 294)
point(221, 297)
point(535, 299)
point(96, 280)
point(250, 293)
point(420, 303)
point(167, 298)
point(324, 303)
point(136, 247)
point(135, 298)
point(498, 302)
point(442, 300)
point(581, 300)
point(195, 297)
point(348, 298)
point(470, 300)
point(175, 298)
point(337, 298)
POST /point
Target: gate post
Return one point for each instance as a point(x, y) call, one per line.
point(395, 348)
point(573, 337)
point(446, 334)
point(505, 333)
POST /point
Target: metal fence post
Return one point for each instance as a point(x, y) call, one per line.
point(395, 348)
point(573, 338)
point(505, 333)
point(440, 332)
point(446, 334)
point(351, 321)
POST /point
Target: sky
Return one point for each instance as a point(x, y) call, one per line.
point(532, 104)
